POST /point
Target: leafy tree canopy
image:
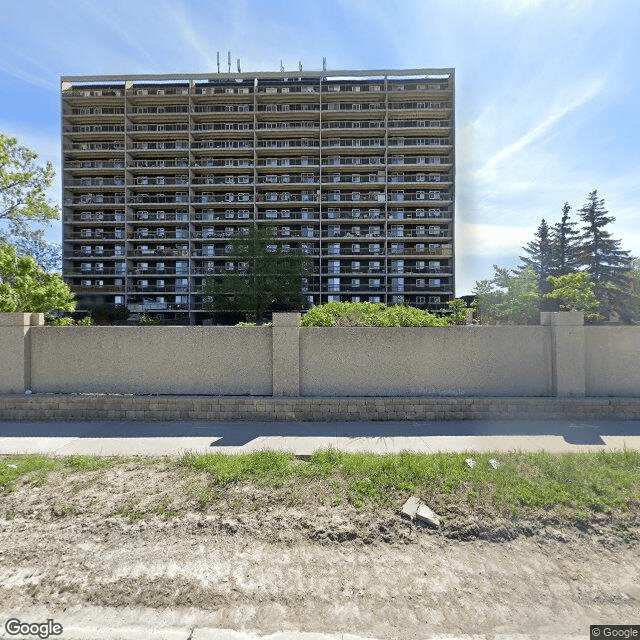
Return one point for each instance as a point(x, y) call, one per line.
point(265, 277)
point(23, 203)
point(574, 292)
point(509, 298)
point(28, 289)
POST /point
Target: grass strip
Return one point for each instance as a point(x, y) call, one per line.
point(578, 484)
point(581, 483)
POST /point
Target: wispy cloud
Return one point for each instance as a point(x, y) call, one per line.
point(543, 127)
point(126, 35)
point(34, 79)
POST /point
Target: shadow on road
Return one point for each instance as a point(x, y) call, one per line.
point(239, 433)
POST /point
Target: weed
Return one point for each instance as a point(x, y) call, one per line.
point(129, 512)
point(163, 510)
point(204, 494)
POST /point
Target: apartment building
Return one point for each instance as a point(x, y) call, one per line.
point(354, 167)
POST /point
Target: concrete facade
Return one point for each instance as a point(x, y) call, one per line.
point(189, 360)
point(15, 350)
point(612, 361)
point(419, 361)
point(354, 167)
point(559, 358)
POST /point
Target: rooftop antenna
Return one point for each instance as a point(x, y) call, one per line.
point(229, 60)
point(281, 66)
point(218, 60)
point(299, 65)
point(239, 66)
point(324, 63)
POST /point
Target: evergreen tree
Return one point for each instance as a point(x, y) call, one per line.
point(564, 245)
point(600, 254)
point(540, 255)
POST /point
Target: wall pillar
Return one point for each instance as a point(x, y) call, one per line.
point(15, 350)
point(567, 352)
point(286, 354)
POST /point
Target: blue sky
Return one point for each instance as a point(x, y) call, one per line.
point(547, 92)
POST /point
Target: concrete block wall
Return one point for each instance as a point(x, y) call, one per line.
point(559, 358)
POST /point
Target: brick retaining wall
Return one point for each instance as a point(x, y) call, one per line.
point(138, 408)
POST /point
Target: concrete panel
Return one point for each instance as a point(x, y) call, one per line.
point(286, 354)
point(425, 361)
point(612, 361)
point(180, 360)
point(15, 374)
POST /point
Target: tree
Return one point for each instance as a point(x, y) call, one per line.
point(600, 254)
point(264, 277)
point(23, 203)
point(564, 245)
point(539, 258)
point(508, 298)
point(574, 292)
point(26, 288)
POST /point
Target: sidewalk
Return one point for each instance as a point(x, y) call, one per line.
point(303, 438)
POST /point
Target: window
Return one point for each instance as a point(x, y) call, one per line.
point(420, 282)
point(355, 265)
point(355, 248)
point(374, 265)
point(397, 284)
point(333, 266)
point(355, 283)
point(334, 250)
point(374, 248)
point(374, 282)
point(333, 284)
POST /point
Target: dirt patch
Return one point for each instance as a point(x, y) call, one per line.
point(271, 559)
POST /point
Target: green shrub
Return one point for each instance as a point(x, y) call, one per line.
point(85, 322)
point(146, 319)
point(367, 314)
point(63, 321)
